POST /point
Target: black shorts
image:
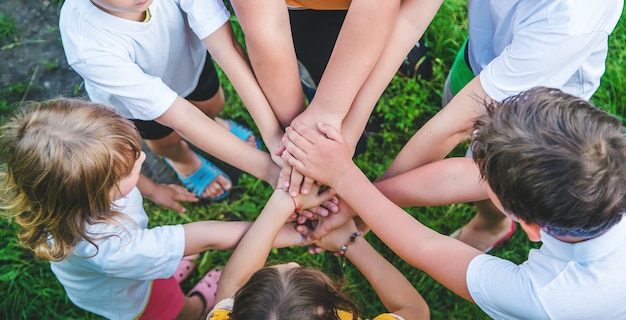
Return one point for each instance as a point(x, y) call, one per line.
point(207, 88)
point(314, 35)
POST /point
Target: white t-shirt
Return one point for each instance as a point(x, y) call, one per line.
point(140, 67)
point(516, 44)
point(585, 280)
point(114, 281)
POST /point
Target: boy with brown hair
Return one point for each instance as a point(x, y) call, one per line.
point(553, 163)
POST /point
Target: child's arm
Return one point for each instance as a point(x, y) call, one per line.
point(229, 55)
point(201, 236)
point(328, 160)
point(393, 289)
point(271, 51)
point(413, 19)
point(206, 134)
point(252, 251)
point(165, 195)
point(364, 33)
point(451, 180)
point(447, 181)
point(448, 127)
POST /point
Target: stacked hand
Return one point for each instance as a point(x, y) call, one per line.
point(322, 155)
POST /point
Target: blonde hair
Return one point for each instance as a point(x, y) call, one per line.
point(61, 159)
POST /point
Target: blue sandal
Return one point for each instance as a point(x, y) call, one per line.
point(201, 178)
point(242, 132)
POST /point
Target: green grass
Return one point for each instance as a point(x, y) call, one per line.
point(8, 30)
point(32, 292)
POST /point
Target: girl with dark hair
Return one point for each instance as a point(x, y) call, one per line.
point(247, 290)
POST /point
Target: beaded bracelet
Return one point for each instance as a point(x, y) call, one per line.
point(344, 247)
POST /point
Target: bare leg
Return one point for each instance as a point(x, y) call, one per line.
point(487, 227)
point(193, 308)
point(213, 106)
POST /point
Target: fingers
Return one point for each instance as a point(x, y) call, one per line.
point(313, 249)
point(327, 195)
point(330, 132)
point(280, 150)
point(285, 175)
point(175, 206)
point(303, 229)
point(331, 206)
point(182, 194)
point(293, 217)
point(302, 135)
point(295, 182)
point(313, 213)
point(298, 236)
point(277, 159)
point(301, 219)
point(320, 231)
point(292, 162)
point(296, 145)
point(307, 185)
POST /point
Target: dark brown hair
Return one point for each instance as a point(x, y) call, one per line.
point(299, 293)
point(555, 160)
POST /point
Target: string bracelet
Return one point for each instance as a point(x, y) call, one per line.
point(297, 207)
point(342, 250)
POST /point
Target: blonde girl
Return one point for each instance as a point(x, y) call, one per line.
point(69, 179)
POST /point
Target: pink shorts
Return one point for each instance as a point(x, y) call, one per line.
point(165, 302)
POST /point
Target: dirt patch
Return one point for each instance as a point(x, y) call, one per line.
point(34, 59)
point(33, 65)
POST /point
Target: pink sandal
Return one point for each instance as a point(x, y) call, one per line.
point(186, 265)
point(206, 288)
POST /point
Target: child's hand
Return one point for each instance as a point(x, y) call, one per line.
point(313, 199)
point(329, 223)
point(323, 210)
point(168, 195)
point(338, 237)
point(292, 180)
point(322, 156)
point(289, 236)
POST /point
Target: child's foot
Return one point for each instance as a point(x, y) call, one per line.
point(240, 131)
point(207, 182)
point(206, 288)
point(482, 238)
point(185, 267)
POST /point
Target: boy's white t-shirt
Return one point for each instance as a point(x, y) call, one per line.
point(140, 67)
point(114, 280)
point(517, 44)
point(585, 280)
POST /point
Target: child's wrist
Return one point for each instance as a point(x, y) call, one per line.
point(351, 240)
point(296, 207)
